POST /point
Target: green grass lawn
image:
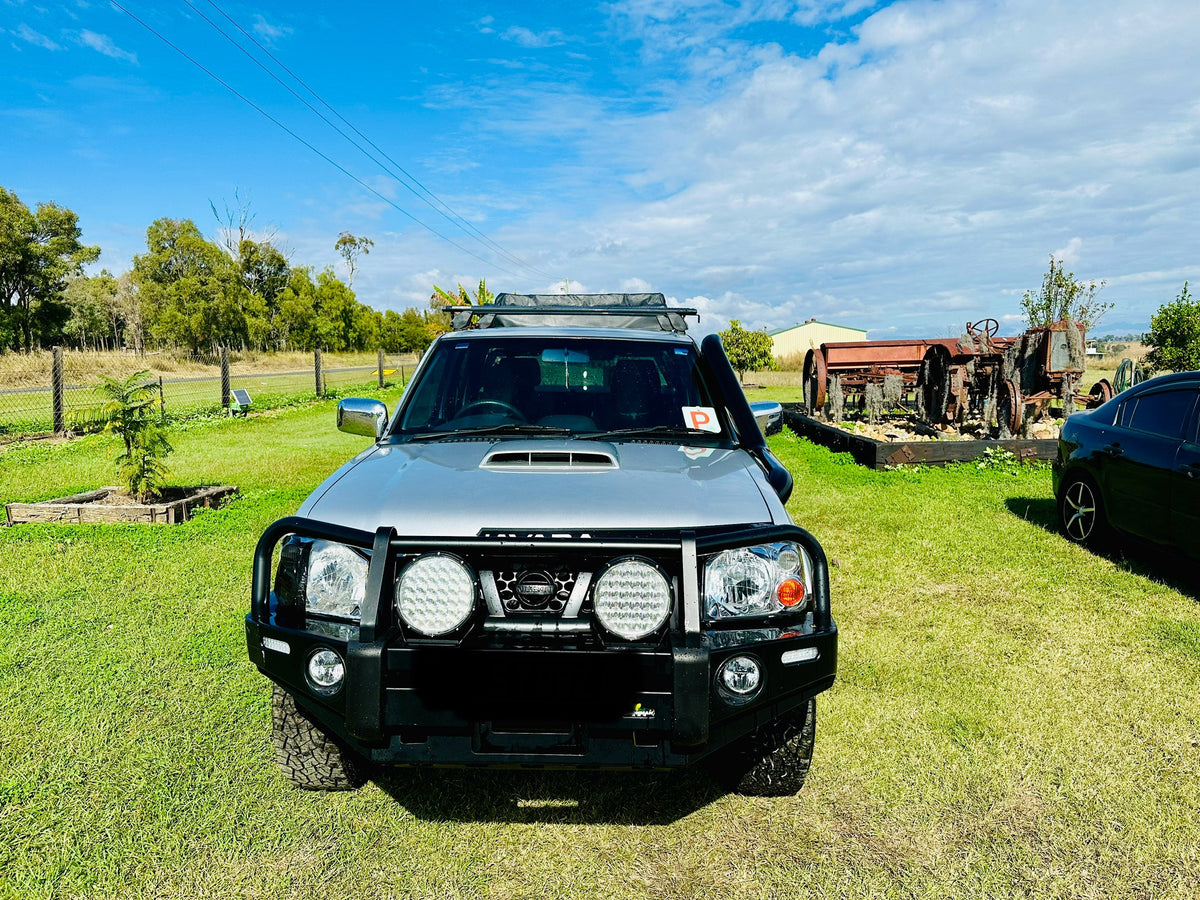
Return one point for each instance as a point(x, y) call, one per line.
point(1013, 715)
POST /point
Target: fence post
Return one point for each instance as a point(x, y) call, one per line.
point(381, 367)
point(225, 378)
point(162, 400)
point(318, 373)
point(401, 374)
point(56, 389)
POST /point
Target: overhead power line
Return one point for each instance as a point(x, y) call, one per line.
point(418, 189)
point(307, 144)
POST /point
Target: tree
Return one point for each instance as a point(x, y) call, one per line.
point(1175, 335)
point(234, 226)
point(481, 297)
point(352, 248)
point(1064, 297)
point(297, 312)
point(39, 251)
point(127, 305)
point(193, 292)
point(405, 332)
point(747, 350)
point(130, 414)
point(95, 316)
point(341, 322)
point(323, 314)
point(438, 323)
point(265, 274)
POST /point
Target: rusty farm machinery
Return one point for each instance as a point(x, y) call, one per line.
point(1000, 383)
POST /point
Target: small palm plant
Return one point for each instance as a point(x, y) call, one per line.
point(129, 412)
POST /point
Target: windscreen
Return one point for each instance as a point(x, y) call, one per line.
point(579, 385)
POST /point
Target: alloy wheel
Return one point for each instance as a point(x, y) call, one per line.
point(1079, 511)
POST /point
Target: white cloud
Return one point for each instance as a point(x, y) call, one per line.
point(1070, 253)
point(102, 43)
point(919, 171)
point(904, 176)
point(534, 40)
point(269, 31)
point(811, 12)
point(27, 34)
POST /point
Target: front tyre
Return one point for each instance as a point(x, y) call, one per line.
point(1081, 512)
point(774, 760)
point(309, 757)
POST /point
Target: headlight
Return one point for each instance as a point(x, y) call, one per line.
point(435, 594)
point(631, 599)
point(337, 581)
point(757, 581)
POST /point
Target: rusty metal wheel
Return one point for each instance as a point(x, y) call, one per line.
point(1100, 393)
point(816, 377)
point(1010, 406)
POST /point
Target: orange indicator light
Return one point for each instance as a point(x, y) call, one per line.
point(790, 592)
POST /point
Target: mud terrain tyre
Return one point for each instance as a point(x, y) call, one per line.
point(774, 760)
point(305, 753)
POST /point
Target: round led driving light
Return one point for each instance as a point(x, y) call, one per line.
point(337, 581)
point(739, 679)
point(632, 599)
point(435, 594)
point(326, 672)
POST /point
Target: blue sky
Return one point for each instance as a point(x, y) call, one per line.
point(901, 167)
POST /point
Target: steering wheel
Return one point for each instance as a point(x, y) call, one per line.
point(989, 328)
point(499, 404)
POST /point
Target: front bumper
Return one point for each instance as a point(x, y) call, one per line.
point(520, 699)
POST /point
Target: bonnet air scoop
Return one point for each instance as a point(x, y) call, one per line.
point(550, 458)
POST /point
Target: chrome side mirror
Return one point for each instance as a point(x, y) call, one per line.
point(768, 414)
point(357, 415)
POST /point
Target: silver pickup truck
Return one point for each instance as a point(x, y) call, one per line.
point(567, 547)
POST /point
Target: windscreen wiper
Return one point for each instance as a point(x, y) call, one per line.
point(510, 428)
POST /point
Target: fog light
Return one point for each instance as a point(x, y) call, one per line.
point(740, 679)
point(326, 672)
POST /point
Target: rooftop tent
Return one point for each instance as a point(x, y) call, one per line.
point(644, 311)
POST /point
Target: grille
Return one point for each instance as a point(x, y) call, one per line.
point(535, 590)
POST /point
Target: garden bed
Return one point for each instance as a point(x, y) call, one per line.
point(905, 449)
point(113, 504)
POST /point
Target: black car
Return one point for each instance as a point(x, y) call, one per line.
point(1133, 466)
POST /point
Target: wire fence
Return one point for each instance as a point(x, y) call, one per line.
point(59, 391)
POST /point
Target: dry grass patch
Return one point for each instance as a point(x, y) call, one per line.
point(25, 370)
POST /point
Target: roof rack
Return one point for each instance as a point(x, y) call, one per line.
point(643, 311)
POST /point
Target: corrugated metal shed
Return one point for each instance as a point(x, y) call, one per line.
point(807, 335)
